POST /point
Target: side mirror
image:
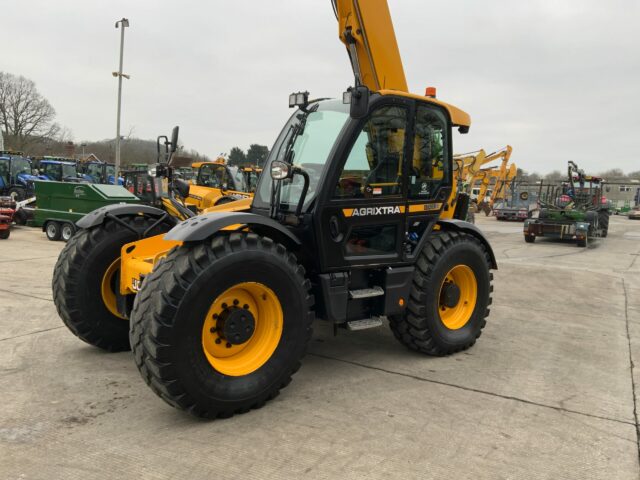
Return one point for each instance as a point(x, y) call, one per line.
point(174, 139)
point(358, 97)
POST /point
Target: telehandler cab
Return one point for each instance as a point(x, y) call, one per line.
point(347, 225)
point(217, 183)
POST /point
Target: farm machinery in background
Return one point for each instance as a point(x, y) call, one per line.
point(575, 210)
point(17, 176)
point(518, 202)
point(216, 183)
point(7, 211)
point(484, 185)
point(100, 172)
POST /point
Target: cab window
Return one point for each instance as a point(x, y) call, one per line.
point(429, 166)
point(374, 166)
point(212, 176)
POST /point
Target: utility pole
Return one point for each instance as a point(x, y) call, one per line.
point(123, 23)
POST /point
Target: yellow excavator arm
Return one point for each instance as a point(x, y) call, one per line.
point(366, 29)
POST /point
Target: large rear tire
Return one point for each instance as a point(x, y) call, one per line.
point(184, 352)
point(450, 297)
point(85, 281)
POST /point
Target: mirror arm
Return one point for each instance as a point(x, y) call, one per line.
point(305, 189)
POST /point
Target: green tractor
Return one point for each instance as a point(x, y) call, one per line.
point(574, 210)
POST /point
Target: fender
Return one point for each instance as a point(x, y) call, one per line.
point(97, 217)
point(201, 227)
point(471, 229)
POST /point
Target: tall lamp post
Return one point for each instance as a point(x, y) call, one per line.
point(122, 24)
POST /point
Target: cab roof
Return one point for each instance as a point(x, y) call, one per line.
point(459, 118)
point(199, 164)
point(57, 162)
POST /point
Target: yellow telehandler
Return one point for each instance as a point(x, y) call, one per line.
point(348, 225)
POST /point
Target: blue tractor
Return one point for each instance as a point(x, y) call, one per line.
point(100, 172)
point(60, 171)
point(16, 176)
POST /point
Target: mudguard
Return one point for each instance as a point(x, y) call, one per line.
point(201, 227)
point(98, 216)
point(471, 229)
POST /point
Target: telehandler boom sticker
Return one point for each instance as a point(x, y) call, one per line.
point(389, 210)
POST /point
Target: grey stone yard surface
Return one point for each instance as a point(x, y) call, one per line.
point(547, 392)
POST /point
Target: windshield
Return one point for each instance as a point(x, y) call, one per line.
point(238, 179)
point(111, 171)
point(69, 171)
point(53, 171)
point(211, 176)
point(20, 166)
point(311, 150)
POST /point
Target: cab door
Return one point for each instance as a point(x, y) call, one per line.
point(362, 212)
point(429, 174)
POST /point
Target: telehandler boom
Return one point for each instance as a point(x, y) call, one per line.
point(348, 225)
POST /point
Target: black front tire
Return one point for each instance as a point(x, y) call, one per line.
point(5, 234)
point(529, 238)
point(169, 311)
point(77, 281)
point(421, 328)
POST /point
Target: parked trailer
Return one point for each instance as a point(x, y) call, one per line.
point(517, 203)
point(59, 205)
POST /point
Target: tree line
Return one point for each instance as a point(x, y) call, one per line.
point(255, 156)
point(27, 124)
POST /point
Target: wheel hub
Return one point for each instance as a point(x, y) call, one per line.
point(236, 325)
point(450, 295)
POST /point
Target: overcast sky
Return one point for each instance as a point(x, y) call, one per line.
point(557, 79)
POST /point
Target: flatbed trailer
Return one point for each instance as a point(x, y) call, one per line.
point(511, 213)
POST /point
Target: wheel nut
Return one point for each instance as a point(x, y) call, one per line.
point(215, 316)
point(236, 301)
point(224, 305)
point(213, 329)
point(228, 345)
point(218, 341)
point(245, 306)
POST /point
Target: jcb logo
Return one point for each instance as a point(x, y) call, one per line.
point(135, 284)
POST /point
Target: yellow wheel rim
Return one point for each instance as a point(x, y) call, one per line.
point(107, 288)
point(456, 314)
point(242, 329)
